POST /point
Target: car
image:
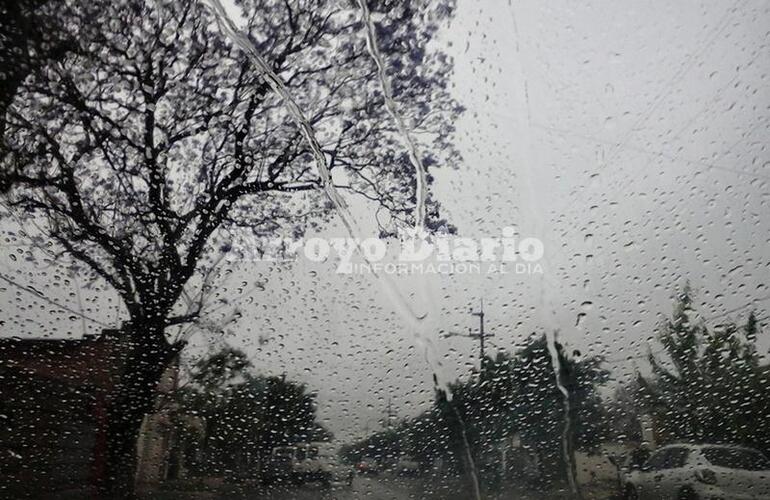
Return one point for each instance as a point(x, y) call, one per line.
point(701, 471)
point(318, 462)
point(407, 466)
point(368, 467)
point(307, 462)
point(278, 468)
point(629, 463)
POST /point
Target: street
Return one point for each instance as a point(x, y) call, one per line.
point(384, 487)
point(369, 487)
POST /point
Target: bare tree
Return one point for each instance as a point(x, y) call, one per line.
point(145, 147)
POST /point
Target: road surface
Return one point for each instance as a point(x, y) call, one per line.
point(406, 488)
point(384, 487)
point(364, 487)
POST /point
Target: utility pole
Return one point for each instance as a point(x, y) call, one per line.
point(389, 421)
point(481, 335)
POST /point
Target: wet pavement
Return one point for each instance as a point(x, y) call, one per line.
point(387, 487)
point(369, 487)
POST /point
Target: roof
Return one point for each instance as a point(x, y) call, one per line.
point(698, 446)
point(90, 360)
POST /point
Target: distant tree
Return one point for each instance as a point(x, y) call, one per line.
point(218, 371)
point(624, 410)
point(319, 433)
point(148, 144)
point(246, 415)
point(518, 394)
point(514, 394)
point(710, 386)
point(387, 445)
point(540, 408)
point(422, 438)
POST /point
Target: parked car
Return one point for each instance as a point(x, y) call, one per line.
point(279, 467)
point(627, 464)
point(307, 462)
point(368, 467)
point(703, 471)
point(407, 466)
point(319, 462)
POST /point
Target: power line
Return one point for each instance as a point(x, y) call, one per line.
point(730, 311)
point(683, 69)
point(618, 146)
point(660, 154)
point(51, 301)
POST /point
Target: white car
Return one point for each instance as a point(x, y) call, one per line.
point(704, 471)
point(318, 462)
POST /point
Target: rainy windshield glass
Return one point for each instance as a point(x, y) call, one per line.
point(284, 452)
point(435, 249)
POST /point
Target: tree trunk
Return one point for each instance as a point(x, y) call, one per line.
point(133, 397)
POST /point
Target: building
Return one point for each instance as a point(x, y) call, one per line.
point(53, 414)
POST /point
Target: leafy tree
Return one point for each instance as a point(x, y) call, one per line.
point(623, 411)
point(483, 410)
point(150, 143)
point(246, 415)
point(31, 35)
point(540, 406)
point(519, 394)
point(221, 369)
point(383, 446)
point(710, 387)
point(514, 394)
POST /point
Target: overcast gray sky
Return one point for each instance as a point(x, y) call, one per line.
point(630, 137)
